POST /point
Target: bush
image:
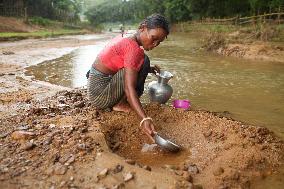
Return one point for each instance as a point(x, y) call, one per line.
point(40, 21)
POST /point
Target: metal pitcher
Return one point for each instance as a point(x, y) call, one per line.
point(160, 91)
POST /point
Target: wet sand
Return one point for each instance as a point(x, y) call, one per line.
point(52, 137)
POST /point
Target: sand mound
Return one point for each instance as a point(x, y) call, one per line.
point(59, 142)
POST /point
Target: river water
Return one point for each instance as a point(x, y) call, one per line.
point(245, 90)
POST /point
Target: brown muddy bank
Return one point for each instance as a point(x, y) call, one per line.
point(62, 142)
point(244, 45)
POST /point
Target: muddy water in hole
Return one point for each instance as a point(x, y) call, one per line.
point(153, 156)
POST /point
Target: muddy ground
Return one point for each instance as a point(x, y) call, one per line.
point(52, 137)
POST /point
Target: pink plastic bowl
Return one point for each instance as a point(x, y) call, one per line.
point(184, 104)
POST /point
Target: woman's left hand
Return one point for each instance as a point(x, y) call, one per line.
point(155, 69)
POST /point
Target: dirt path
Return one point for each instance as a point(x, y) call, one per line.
point(51, 137)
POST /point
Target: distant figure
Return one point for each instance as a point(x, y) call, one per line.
point(121, 27)
point(116, 79)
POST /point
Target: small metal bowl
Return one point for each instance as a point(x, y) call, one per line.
point(166, 144)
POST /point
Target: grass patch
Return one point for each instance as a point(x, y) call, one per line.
point(5, 36)
point(205, 28)
point(40, 21)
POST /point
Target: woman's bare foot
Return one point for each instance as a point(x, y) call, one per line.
point(122, 107)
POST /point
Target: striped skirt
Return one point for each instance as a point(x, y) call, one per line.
point(105, 91)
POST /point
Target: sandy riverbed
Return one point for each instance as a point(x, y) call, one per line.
point(51, 137)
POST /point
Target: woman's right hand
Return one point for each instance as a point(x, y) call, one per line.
point(148, 129)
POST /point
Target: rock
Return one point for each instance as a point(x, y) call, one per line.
point(127, 177)
point(118, 168)
point(64, 158)
point(48, 141)
point(28, 146)
point(82, 147)
point(130, 161)
point(70, 160)
point(23, 127)
point(79, 104)
point(22, 135)
point(218, 171)
point(7, 53)
point(60, 169)
point(193, 169)
point(147, 167)
point(103, 173)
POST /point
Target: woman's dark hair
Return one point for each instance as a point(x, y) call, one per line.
point(156, 21)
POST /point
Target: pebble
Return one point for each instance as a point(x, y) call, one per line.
point(70, 160)
point(8, 52)
point(127, 177)
point(193, 169)
point(130, 161)
point(218, 171)
point(118, 168)
point(79, 104)
point(147, 167)
point(60, 169)
point(103, 173)
point(28, 146)
point(23, 127)
point(48, 141)
point(22, 135)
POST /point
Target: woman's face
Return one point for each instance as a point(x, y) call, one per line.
point(151, 38)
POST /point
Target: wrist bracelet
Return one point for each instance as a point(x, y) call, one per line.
point(144, 119)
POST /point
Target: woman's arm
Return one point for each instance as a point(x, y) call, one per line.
point(130, 81)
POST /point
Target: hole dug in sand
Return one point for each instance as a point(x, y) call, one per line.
point(124, 138)
point(216, 151)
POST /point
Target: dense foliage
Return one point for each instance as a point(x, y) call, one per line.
point(50, 8)
point(178, 10)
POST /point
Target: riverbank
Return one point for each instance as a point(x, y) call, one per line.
point(259, 42)
point(14, 29)
point(52, 136)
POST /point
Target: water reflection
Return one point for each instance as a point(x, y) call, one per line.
point(68, 70)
